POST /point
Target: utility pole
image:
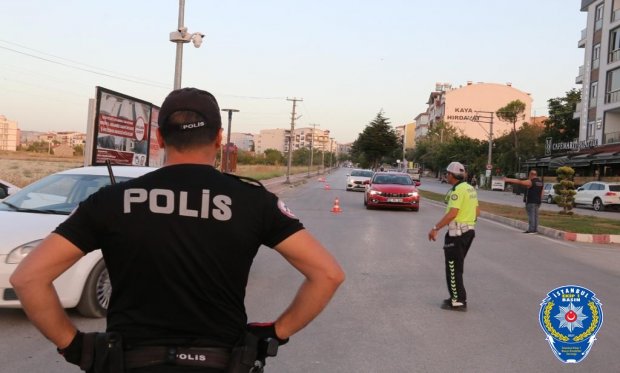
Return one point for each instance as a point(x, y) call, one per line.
point(290, 138)
point(312, 148)
point(227, 165)
point(331, 154)
point(487, 117)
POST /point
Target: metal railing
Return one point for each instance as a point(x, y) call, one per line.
point(611, 137)
point(614, 56)
point(612, 96)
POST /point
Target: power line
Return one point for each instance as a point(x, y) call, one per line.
point(76, 62)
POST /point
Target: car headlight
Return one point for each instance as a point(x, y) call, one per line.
point(412, 194)
point(20, 252)
point(374, 192)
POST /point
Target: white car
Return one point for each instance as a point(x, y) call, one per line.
point(6, 189)
point(31, 214)
point(358, 179)
point(598, 194)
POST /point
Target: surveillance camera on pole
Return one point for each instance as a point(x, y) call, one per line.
point(180, 36)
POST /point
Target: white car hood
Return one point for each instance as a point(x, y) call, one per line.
point(358, 178)
point(18, 228)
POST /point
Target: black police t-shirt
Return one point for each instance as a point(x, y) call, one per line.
point(178, 243)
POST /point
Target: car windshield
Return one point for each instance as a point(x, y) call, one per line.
point(361, 173)
point(56, 194)
point(393, 179)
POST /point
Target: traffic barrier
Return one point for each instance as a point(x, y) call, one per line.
point(336, 208)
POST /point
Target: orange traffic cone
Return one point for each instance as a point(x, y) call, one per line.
point(326, 186)
point(336, 207)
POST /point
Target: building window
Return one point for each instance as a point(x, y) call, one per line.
point(614, 45)
point(590, 131)
point(612, 92)
point(593, 93)
point(596, 56)
point(598, 17)
point(615, 12)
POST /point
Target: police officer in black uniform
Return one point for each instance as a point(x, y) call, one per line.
point(178, 244)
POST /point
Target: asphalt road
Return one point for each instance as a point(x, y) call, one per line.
point(386, 316)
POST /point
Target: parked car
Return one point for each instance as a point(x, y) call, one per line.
point(358, 179)
point(548, 193)
point(29, 215)
point(598, 194)
point(6, 189)
point(392, 189)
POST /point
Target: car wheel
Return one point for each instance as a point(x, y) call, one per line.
point(96, 294)
point(549, 199)
point(598, 205)
point(416, 209)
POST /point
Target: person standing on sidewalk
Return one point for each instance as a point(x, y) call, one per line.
point(532, 198)
point(462, 211)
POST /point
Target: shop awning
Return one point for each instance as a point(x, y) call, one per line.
point(558, 162)
point(581, 160)
point(543, 161)
point(606, 158)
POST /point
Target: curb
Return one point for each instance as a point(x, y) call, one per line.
point(550, 232)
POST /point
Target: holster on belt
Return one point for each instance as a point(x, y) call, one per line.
point(102, 353)
point(244, 355)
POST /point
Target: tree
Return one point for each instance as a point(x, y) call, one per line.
point(511, 113)
point(301, 157)
point(565, 189)
point(376, 142)
point(432, 150)
point(273, 157)
point(561, 125)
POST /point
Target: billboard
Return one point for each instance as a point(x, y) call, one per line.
point(124, 130)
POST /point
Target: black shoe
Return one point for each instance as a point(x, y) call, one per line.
point(448, 304)
point(525, 232)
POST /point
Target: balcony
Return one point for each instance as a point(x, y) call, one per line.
point(614, 56)
point(582, 42)
point(579, 79)
point(612, 96)
point(611, 137)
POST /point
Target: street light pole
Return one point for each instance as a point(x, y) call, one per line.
point(290, 138)
point(180, 37)
point(230, 111)
point(488, 118)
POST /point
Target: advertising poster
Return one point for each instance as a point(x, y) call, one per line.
point(122, 129)
point(156, 154)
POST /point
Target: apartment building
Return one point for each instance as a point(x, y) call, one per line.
point(9, 134)
point(599, 114)
point(462, 107)
point(302, 138)
point(421, 125)
point(243, 141)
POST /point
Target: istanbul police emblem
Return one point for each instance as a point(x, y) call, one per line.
point(571, 316)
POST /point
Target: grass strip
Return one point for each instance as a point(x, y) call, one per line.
point(568, 223)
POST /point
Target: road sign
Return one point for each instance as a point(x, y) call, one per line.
point(489, 167)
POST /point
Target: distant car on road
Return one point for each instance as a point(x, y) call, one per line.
point(548, 193)
point(598, 194)
point(392, 189)
point(6, 189)
point(358, 179)
point(29, 215)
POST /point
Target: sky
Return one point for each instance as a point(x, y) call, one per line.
point(347, 59)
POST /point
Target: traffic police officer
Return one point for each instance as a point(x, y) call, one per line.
point(462, 211)
point(178, 244)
